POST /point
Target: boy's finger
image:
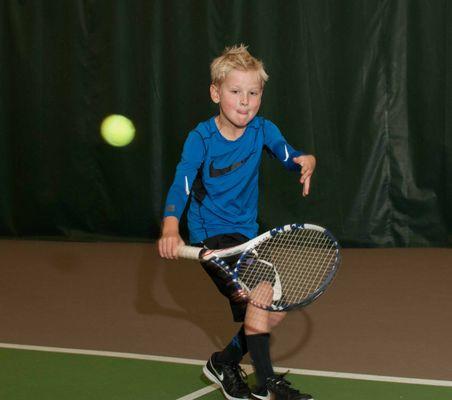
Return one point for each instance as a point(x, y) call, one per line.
point(174, 247)
point(164, 252)
point(165, 248)
point(161, 250)
point(305, 175)
point(169, 249)
point(306, 186)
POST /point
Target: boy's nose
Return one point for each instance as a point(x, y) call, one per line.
point(244, 100)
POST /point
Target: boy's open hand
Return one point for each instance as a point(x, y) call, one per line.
point(307, 163)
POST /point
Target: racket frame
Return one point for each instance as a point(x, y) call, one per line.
point(216, 257)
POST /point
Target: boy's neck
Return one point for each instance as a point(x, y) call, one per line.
point(228, 130)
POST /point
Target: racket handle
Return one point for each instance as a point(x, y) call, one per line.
point(192, 253)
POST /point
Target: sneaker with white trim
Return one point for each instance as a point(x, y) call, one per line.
point(229, 376)
point(261, 394)
point(281, 390)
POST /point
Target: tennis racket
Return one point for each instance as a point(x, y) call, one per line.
point(284, 268)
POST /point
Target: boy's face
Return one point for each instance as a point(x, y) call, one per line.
point(239, 97)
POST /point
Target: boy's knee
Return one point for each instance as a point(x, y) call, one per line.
point(262, 294)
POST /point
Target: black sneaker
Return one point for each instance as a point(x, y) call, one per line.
point(261, 394)
point(280, 388)
point(229, 376)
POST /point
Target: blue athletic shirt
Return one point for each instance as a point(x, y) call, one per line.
point(221, 176)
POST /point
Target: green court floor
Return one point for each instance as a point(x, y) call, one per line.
point(43, 375)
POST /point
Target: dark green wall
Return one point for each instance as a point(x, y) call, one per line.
point(364, 85)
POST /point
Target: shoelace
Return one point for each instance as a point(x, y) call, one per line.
point(237, 373)
point(283, 383)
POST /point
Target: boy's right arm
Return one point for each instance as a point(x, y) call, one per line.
point(176, 200)
point(170, 239)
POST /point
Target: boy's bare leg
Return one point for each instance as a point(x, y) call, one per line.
point(258, 320)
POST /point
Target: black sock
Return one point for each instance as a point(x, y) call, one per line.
point(235, 350)
point(259, 348)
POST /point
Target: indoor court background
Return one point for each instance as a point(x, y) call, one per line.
point(89, 310)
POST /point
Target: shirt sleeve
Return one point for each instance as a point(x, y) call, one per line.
point(277, 146)
point(192, 158)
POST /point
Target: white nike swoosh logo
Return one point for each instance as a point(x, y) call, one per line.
point(287, 153)
point(220, 376)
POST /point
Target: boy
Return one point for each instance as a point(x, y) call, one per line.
point(219, 169)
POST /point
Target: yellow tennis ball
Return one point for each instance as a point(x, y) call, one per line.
point(117, 130)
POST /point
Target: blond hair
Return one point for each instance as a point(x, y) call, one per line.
point(236, 57)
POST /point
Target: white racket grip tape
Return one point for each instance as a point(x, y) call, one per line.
point(192, 253)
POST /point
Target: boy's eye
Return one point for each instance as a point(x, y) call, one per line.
point(234, 91)
point(254, 93)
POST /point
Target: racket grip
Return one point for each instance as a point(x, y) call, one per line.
point(192, 253)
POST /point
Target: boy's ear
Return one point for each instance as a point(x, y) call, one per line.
point(214, 93)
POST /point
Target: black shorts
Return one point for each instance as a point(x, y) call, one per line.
point(223, 241)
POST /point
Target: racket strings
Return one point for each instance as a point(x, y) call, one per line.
point(298, 261)
point(319, 264)
point(314, 261)
point(290, 256)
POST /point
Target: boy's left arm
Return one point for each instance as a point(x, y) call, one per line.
point(307, 165)
point(292, 159)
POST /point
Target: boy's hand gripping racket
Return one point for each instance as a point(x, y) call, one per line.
point(281, 269)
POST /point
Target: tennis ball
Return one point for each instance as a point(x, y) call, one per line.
point(117, 130)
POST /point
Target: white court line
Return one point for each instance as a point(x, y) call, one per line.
point(295, 371)
point(199, 393)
